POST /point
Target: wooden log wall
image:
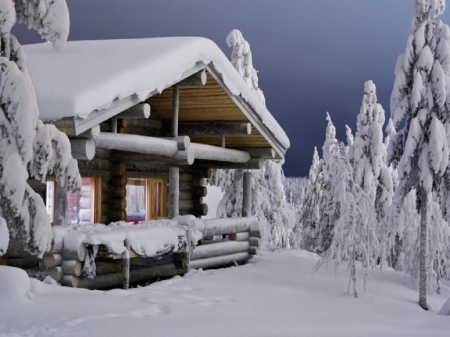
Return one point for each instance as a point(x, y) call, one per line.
point(65, 266)
point(226, 242)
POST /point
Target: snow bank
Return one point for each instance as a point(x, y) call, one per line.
point(15, 284)
point(445, 310)
point(90, 75)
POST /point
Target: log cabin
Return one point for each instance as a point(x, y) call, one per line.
point(148, 119)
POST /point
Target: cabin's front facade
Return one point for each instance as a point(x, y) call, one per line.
point(146, 135)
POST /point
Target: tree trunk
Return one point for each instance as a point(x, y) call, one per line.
point(423, 249)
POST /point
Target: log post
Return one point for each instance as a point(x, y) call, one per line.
point(126, 265)
point(247, 194)
point(174, 172)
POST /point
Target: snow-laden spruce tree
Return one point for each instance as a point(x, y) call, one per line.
point(28, 148)
point(268, 197)
point(241, 58)
point(348, 211)
point(268, 204)
point(420, 102)
point(371, 173)
point(330, 149)
point(306, 229)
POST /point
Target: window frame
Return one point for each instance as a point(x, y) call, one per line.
point(95, 198)
point(149, 197)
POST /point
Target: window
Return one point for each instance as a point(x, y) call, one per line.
point(83, 208)
point(146, 199)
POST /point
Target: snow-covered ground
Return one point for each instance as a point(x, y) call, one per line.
point(274, 295)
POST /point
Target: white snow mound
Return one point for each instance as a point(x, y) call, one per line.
point(15, 284)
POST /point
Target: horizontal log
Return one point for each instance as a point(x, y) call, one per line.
point(209, 152)
point(79, 253)
point(102, 153)
point(252, 164)
point(222, 226)
point(186, 204)
point(255, 234)
point(218, 249)
point(254, 242)
point(244, 236)
point(72, 267)
point(200, 210)
point(116, 279)
point(219, 261)
point(253, 251)
point(215, 128)
point(139, 111)
point(23, 262)
point(52, 260)
point(141, 144)
point(55, 273)
point(261, 152)
point(183, 142)
point(186, 195)
point(82, 148)
point(90, 134)
point(196, 79)
point(119, 169)
point(105, 266)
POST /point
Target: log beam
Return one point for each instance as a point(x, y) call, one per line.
point(139, 111)
point(209, 152)
point(199, 78)
point(82, 148)
point(146, 145)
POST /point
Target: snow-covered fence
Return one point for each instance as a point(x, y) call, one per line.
point(226, 241)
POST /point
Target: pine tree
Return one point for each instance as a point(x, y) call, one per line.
point(28, 148)
point(306, 230)
point(419, 101)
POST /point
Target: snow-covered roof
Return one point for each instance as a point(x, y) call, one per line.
point(89, 76)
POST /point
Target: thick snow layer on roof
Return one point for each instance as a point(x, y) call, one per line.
point(90, 75)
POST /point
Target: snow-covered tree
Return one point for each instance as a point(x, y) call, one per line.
point(28, 148)
point(306, 229)
point(348, 211)
point(268, 197)
point(268, 204)
point(420, 102)
point(241, 58)
point(295, 189)
point(330, 149)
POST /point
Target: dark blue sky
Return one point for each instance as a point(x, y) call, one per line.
point(313, 56)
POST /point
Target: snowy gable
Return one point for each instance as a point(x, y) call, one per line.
point(89, 76)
